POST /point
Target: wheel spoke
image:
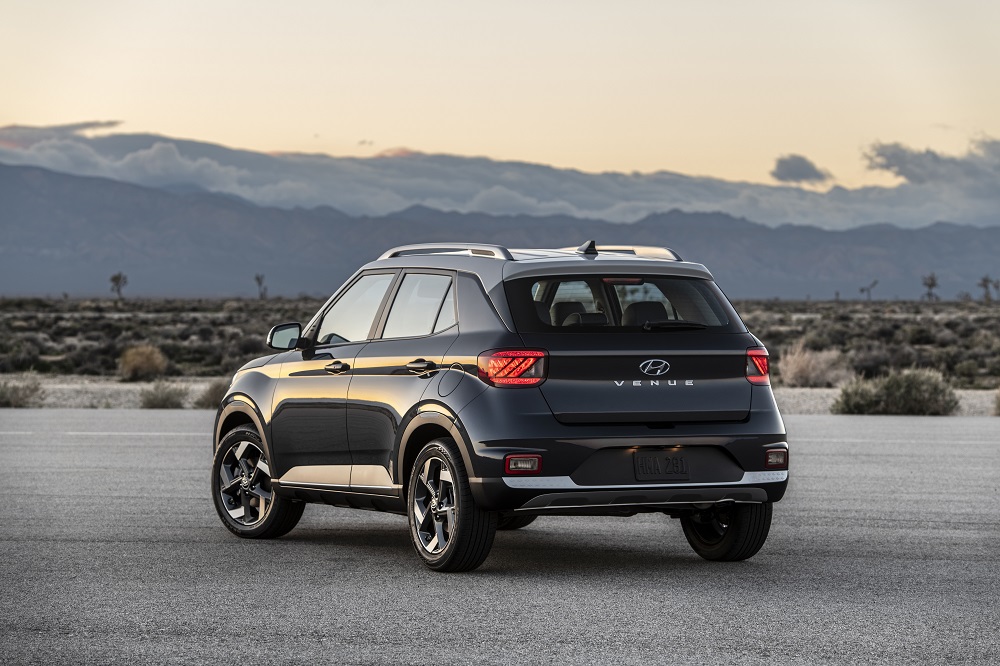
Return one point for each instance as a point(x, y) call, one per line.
point(228, 479)
point(262, 466)
point(440, 536)
point(445, 477)
point(237, 513)
point(450, 515)
point(432, 544)
point(245, 497)
point(420, 513)
point(240, 449)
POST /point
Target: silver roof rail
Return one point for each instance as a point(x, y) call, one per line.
point(644, 251)
point(473, 249)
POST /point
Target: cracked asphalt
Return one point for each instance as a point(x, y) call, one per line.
point(886, 549)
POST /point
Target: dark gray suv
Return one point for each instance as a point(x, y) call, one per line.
point(474, 388)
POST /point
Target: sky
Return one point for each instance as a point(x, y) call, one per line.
point(738, 91)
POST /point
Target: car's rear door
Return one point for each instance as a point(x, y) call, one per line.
point(392, 372)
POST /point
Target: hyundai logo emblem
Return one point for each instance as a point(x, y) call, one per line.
point(654, 366)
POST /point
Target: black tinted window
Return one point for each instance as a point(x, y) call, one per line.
point(417, 304)
point(351, 317)
point(613, 303)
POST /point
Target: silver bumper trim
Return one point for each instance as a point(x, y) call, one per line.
point(567, 483)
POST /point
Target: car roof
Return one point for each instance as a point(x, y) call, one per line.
point(495, 263)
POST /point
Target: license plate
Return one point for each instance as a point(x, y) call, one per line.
point(660, 466)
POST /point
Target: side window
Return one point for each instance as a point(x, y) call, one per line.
point(422, 300)
point(351, 317)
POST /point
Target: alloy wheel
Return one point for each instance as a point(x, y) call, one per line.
point(434, 508)
point(245, 483)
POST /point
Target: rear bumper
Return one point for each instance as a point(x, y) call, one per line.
point(596, 466)
point(555, 494)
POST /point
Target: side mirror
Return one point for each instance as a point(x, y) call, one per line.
point(284, 336)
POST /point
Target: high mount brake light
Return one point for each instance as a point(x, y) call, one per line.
point(623, 280)
point(513, 367)
point(757, 366)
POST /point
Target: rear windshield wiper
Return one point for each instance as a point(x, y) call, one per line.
point(673, 325)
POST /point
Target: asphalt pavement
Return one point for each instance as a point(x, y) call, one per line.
point(886, 549)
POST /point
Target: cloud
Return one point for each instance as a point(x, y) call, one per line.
point(979, 166)
point(798, 169)
point(958, 188)
point(25, 135)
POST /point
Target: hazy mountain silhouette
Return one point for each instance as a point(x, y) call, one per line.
point(63, 233)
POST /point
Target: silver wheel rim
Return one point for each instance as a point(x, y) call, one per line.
point(434, 509)
point(245, 483)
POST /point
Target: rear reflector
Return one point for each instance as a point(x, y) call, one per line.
point(513, 367)
point(776, 459)
point(757, 366)
point(523, 463)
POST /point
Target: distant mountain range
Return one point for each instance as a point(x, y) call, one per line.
point(65, 233)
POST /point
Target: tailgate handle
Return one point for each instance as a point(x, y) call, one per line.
point(337, 368)
point(420, 366)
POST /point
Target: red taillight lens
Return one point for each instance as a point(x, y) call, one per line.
point(513, 367)
point(757, 366)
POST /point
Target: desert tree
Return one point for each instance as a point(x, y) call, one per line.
point(867, 291)
point(118, 282)
point(261, 289)
point(985, 283)
point(930, 284)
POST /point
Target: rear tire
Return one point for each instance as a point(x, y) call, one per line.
point(448, 531)
point(514, 522)
point(728, 533)
point(241, 489)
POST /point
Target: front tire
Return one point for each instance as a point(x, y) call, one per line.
point(241, 489)
point(728, 533)
point(449, 532)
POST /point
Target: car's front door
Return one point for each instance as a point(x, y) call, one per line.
point(309, 423)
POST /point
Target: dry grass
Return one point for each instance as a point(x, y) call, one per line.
point(799, 366)
point(213, 394)
point(910, 392)
point(162, 395)
point(142, 363)
point(24, 393)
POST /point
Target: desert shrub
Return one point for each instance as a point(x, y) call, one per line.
point(799, 366)
point(909, 392)
point(162, 395)
point(212, 395)
point(25, 393)
point(968, 368)
point(142, 362)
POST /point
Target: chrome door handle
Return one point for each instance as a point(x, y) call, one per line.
point(337, 368)
point(420, 366)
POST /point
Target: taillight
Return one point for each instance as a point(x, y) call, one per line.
point(757, 366)
point(513, 367)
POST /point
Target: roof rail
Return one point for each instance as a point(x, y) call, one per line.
point(644, 251)
point(474, 249)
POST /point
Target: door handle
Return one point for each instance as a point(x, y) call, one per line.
point(337, 368)
point(420, 366)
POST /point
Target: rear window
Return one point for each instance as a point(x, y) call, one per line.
point(619, 304)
